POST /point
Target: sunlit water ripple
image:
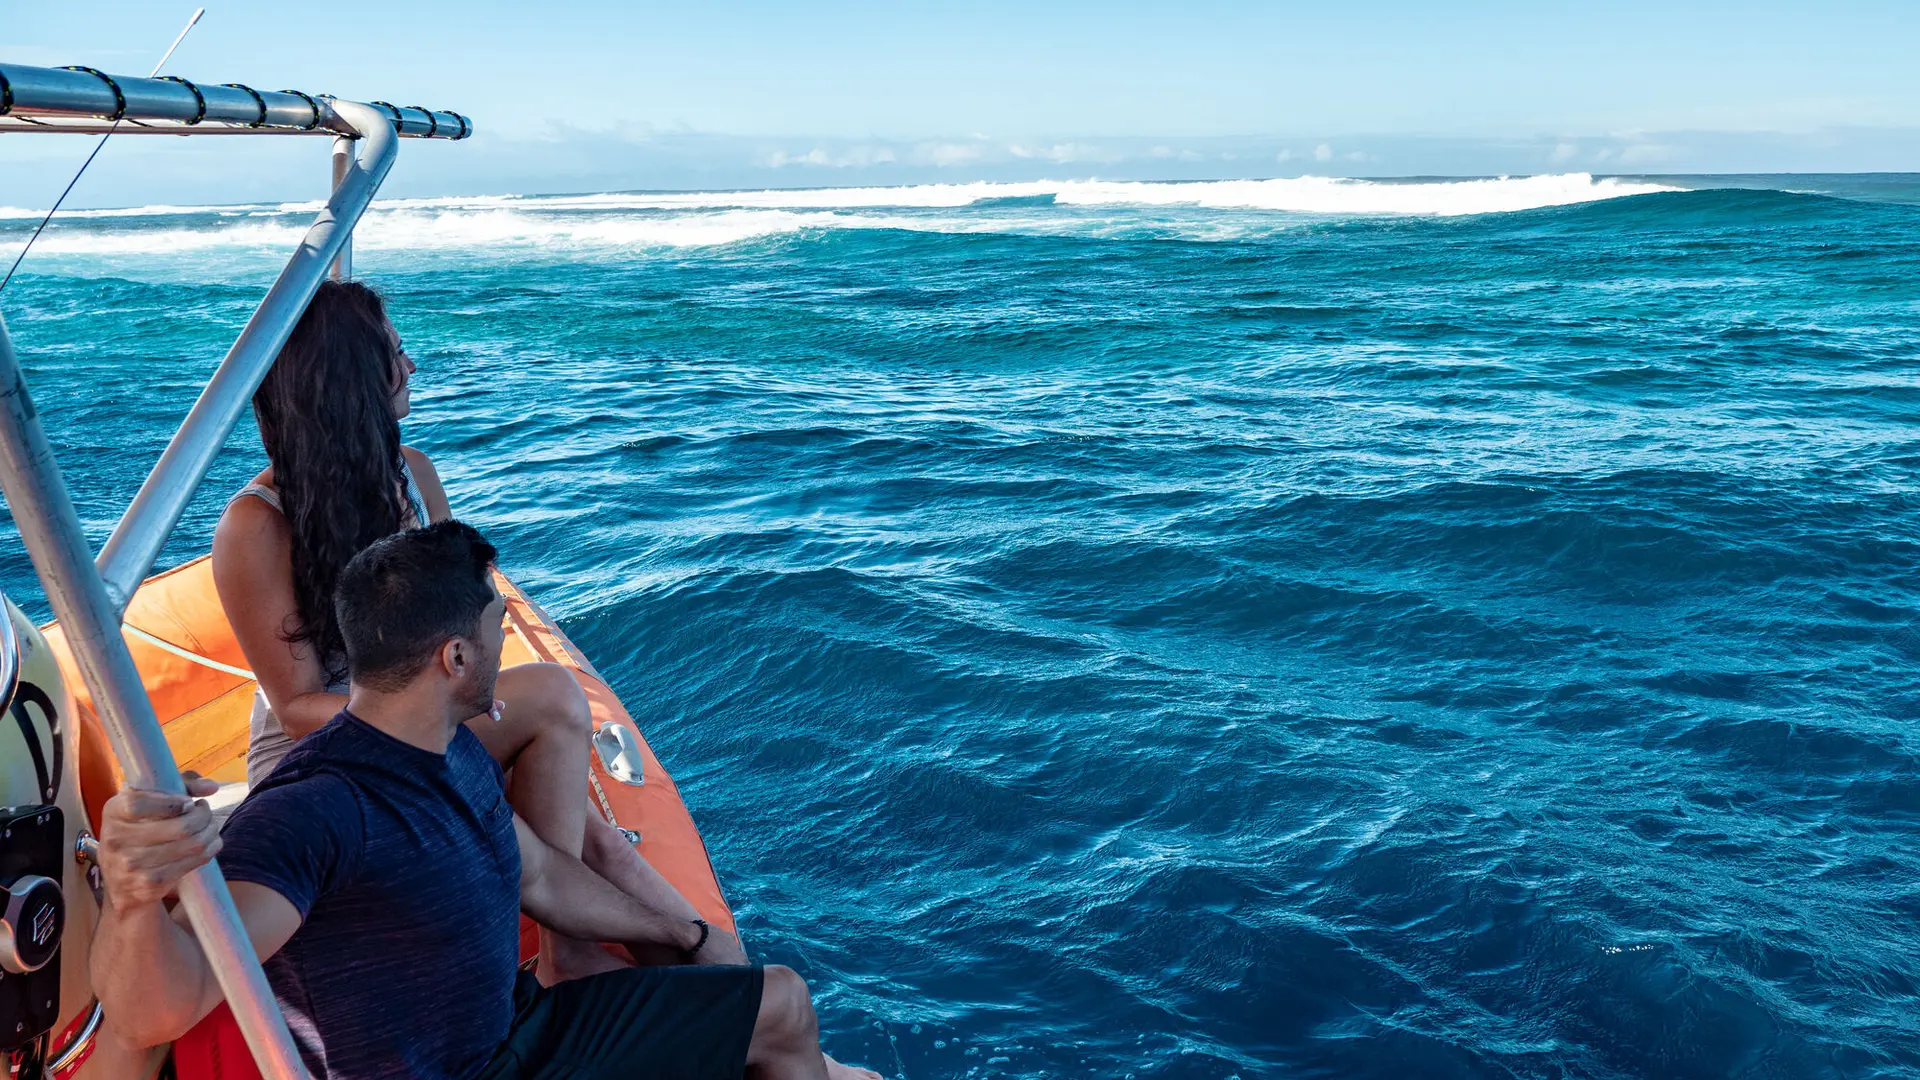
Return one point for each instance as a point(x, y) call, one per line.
point(1112, 633)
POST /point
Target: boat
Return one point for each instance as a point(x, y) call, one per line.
point(139, 676)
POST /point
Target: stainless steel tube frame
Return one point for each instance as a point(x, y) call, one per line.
point(343, 161)
point(136, 541)
point(183, 108)
point(37, 495)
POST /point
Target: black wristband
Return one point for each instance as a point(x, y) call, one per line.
point(705, 932)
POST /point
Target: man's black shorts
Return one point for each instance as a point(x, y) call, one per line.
point(675, 1023)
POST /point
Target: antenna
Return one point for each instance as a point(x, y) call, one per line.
point(168, 55)
point(197, 12)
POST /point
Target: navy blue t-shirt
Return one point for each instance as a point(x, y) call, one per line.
point(404, 866)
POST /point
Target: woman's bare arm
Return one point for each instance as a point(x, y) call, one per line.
point(425, 475)
point(253, 571)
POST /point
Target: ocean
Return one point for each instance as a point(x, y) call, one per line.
point(1307, 628)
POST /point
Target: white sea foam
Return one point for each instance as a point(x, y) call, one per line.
point(640, 221)
point(17, 213)
point(1325, 195)
point(166, 241)
point(456, 229)
point(384, 230)
point(1306, 195)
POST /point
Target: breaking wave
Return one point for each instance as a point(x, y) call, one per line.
point(1307, 195)
point(454, 230)
point(619, 222)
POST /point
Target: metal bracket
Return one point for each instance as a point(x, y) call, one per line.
point(620, 754)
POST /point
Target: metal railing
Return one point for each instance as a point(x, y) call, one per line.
point(89, 597)
point(82, 100)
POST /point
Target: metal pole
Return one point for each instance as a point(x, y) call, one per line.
point(84, 97)
point(136, 541)
point(342, 161)
point(37, 495)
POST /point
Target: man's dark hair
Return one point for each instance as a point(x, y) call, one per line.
point(400, 599)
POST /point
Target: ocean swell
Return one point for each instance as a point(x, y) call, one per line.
point(1384, 644)
point(667, 220)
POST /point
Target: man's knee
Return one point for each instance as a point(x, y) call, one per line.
point(786, 1007)
point(554, 691)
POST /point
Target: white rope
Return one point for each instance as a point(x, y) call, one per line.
point(205, 661)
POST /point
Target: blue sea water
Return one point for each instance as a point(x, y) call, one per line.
point(1436, 628)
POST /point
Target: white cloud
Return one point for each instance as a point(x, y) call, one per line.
point(945, 154)
point(1645, 153)
point(853, 157)
point(1323, 152)
point(1565, 151)
point(780, 159)
point(1062, 153)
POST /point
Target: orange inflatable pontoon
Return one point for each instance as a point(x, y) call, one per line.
point(198, 680)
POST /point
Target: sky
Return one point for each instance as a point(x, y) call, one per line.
point(586, 96)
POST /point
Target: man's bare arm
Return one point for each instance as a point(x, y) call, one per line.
point(151, 977)
point(559, 892)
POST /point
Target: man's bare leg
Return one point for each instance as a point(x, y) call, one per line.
point(541, 736)
point(786, 1035)
point(837, 1071)
point(607, 853)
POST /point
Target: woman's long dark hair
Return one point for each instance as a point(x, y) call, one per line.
point(326, 418)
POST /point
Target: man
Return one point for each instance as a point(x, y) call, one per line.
point(380, 875)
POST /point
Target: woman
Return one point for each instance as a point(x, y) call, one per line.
point(338, 479)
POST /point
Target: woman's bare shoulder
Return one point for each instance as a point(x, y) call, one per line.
point(428, 477)
point(249, 521)
point(417, 460)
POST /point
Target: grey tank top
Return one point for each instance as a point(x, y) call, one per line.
point(267, 741)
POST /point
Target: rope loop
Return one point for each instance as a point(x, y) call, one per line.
point(395, 110)
point(433, 122)
point(119, 99)
point(257, 100)
point(199, 99)
point(466, 129)
point(311, 104)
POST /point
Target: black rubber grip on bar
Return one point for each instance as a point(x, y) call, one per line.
point(311, 104)
point(119, 99)
point(394, 109)
point(433, 122)
point(257, 100)
point(199, 99)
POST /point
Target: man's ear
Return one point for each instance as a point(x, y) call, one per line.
point(455, 655)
